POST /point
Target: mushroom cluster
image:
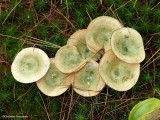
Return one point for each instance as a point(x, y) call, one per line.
point(106, 53)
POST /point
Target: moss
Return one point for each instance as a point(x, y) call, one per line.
point(56, 29)
point(43, 32)
point(5, 95)
point(145, 25)
point(27, 17)
point(41, 5)
point(80, 116)
point(7, 45)
point(11, 30)
point(3, 15)
point(146, 9)
point(91, 6)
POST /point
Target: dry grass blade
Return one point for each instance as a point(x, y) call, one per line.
point(34, 41)
point(155, 5)
point(11, 11)
point(135, 3)
point(88, 15)
point(45, 107)
point(150, 62)
point(43, 42)
point(35, 26)
point(150, 59)
point(25, 93)
point(122, 5)
point(147, 43)
point(70, 106)
point(56, 10)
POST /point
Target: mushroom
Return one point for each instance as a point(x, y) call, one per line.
point(87, 82)
point(99, 32)
point(127, 44)
point(54, 83)
point(78, 39)
point(68, 59)
point(30, 65)
point(117, 74)
point(148, 109)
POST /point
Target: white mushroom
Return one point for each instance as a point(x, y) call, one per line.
point(30, 65)
point(87, 82)
point(68, 59)
point(99, 32)
point(54, 83)
point(117, 74)
point(79, 40)
point(127, 44)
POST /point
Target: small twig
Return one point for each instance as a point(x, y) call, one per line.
point(150, 58)
point(135, 3)
point(56, 10)
point(158, 91)
point(116, 15)
point(88, 15)
point(92, 111)
point(35, 13)
point(61, 1)
point(30, 30)
point(104, 109)
point(70, 106)
point(101, 2)
point(25, 93)
point(154, 75)
point(0, 8)
point(155, 5)
point(109, 9)
point(60, 117)
point(148, 42)
point(67, 9)
point(44, 106)
point(158, 33)
point(123, 5)
point(42, 41)
point(14, 90)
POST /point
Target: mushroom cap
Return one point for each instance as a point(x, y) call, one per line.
point(99, 32)
point(128, 46)
point(148, 109)
point(68, 59)
point(79, 40)
point(87, 82)
point(117, 74)
point(54, 83)
point(30, 65)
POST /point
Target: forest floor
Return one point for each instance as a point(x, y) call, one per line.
point(43, 23)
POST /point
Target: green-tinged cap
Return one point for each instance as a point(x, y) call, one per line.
point(68, 59)
point(87, 81)
point(54, 83)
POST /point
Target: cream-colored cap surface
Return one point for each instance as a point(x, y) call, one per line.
point(30, 65)
point(128, 46)
point(68, 59)
point(79, 40)
point(54, 83)
point(99, 32)
point(117, 74)
point(87, 82)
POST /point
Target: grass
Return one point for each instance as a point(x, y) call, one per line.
point(53, 23)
